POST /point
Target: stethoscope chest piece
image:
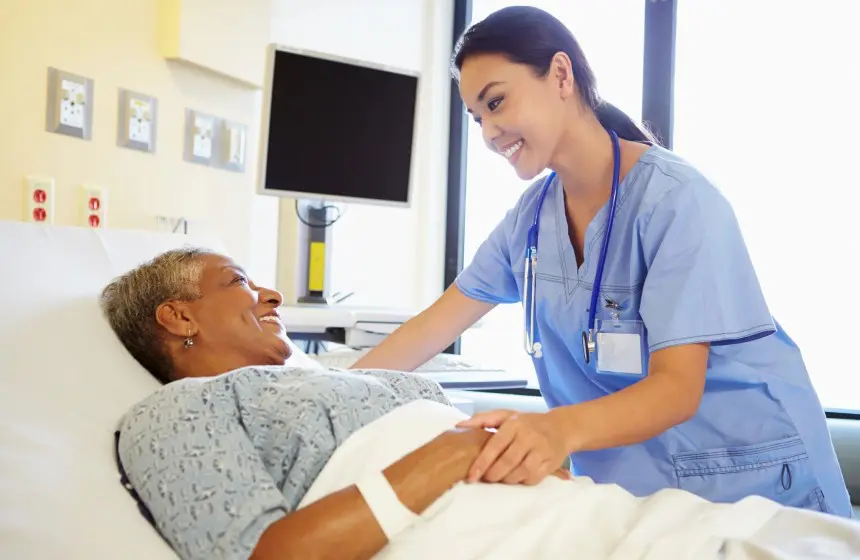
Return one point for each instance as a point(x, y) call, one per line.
point(588, 346)
point(538, 350)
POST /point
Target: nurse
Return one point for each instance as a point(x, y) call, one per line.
point(653, 344)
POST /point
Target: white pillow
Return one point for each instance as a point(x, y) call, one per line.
point(65, 381)
point(300, 359)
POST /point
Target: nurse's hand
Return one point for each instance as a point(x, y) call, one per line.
point(525, 449)
point(563, 474)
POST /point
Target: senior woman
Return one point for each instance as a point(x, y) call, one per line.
point(230, 455)
point(257, 438)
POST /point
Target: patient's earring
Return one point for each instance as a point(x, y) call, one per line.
point(189, 342)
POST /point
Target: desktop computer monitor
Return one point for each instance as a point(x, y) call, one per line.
point(336, 129)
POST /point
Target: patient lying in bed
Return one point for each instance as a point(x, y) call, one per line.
point(242, 456)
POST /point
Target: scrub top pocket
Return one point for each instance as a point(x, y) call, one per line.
point(779, 470)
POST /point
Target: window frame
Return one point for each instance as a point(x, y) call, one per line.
point(658, 104)
point(458, 139)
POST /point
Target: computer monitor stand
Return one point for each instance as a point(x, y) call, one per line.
point(318, 229)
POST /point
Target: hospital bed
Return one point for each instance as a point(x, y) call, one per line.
point(65, 380)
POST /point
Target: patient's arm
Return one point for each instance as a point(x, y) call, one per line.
point(427, 334)
point(342, 526)
point(211, 495)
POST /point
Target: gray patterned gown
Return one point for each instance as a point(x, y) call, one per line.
point(217, 460)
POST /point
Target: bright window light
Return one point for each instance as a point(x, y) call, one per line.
point(766, 104)
point(611, 34)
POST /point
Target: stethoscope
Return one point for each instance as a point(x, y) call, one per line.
point(533, 346)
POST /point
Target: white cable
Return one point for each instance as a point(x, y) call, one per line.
point(386, 507)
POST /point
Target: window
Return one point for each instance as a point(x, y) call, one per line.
point(611, 34)
point(766, 99)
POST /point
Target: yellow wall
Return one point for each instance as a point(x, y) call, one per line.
point(387, 256)
point(115, 42)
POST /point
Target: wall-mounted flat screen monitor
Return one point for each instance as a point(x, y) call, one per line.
point(336, 129)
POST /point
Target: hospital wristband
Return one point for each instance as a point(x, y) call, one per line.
point(393, 517)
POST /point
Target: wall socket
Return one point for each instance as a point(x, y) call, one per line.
point(93, 207)
point(39, 199)
point(69, 104)
point(200, 137)
point(137, 121)
point(233, 137)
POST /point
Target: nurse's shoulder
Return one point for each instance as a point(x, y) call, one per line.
point(667, 186)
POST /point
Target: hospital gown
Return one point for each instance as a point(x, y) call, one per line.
point(218, 460)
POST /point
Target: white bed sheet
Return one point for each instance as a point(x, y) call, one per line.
point(65, 380)
point(576, 519)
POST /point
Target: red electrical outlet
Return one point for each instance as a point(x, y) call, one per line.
point(39, 200)
point(93, 207)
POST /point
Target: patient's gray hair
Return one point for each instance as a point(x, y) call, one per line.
point(130, 301)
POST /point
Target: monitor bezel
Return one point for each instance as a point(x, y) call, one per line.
point(261, 189)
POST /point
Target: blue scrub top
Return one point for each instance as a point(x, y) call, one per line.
point(677, 262)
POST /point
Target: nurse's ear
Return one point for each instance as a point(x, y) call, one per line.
point(561, 74)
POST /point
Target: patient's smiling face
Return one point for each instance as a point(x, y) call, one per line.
point(233, 324)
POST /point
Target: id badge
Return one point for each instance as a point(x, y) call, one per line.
point(621, 347)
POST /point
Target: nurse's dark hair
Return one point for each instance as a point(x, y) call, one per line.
point(531, 36)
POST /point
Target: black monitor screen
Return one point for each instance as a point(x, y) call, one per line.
point(339, 130)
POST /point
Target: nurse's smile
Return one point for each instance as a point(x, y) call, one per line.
point(512, 151)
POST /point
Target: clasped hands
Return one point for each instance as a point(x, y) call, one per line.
point(525, 449)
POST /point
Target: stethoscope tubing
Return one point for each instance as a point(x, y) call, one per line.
point(534, 347)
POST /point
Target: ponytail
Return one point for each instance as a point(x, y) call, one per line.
point(613, 118)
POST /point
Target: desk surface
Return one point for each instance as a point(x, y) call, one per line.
point(316, 318)
point(477, 380)
point(309, 318)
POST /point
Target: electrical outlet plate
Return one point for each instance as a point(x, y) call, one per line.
point(93, 205)
point(39, 199)
point(136, 124)
point(70, 104)
point(232, 145)
point(200, 137)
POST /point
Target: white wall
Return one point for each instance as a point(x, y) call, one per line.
point(389, 257)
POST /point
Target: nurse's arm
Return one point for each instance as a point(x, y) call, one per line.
point(668, 396)
point(427, 334)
